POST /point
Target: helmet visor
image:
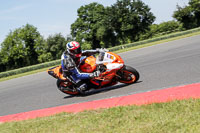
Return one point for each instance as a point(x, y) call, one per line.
point(75, 51)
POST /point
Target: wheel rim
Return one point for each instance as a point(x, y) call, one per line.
point(128, 77)
point(62, 84)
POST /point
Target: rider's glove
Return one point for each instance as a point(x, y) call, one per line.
point(95, 74)
point(101, 50)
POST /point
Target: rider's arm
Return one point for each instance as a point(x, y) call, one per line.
point(89, 52)
point(80, 75)
point(92, 52)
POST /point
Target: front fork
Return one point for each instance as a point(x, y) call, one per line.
point(120, 73)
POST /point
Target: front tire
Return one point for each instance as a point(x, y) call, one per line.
point(129, 75)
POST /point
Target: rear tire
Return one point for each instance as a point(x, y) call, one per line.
point(129, 75)
point(66, 87)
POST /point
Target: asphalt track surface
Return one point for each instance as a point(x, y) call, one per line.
point(161, 66)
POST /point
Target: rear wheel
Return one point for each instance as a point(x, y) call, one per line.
point(66, 87)
point(129, 75)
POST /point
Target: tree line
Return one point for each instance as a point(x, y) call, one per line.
point(96, 26)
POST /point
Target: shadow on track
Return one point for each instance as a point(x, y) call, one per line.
point(101, 90)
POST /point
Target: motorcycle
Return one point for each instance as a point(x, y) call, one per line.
point(112, 70)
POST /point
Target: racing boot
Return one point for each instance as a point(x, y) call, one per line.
point(82, 88)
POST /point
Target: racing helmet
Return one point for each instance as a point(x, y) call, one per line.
point(74, 49)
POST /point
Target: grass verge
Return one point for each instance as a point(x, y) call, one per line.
point(119, 51)
point(158, 42)
point(177, 116)
point(24, 74)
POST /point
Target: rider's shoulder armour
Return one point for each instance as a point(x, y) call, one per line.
point(69, 63)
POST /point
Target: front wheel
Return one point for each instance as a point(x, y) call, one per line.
point(129, 75)
point(66, 87)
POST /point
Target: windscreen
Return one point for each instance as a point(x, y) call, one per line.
point(104, 57)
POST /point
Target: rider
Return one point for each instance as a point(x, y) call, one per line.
point(70, 61)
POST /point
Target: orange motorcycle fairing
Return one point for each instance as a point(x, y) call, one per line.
point(56, 72)
point(104, 79)
point(117, 59)
point(89, 65)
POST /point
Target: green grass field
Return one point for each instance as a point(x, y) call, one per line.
point(172, 117)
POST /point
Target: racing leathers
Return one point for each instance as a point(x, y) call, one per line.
point(70, 68)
